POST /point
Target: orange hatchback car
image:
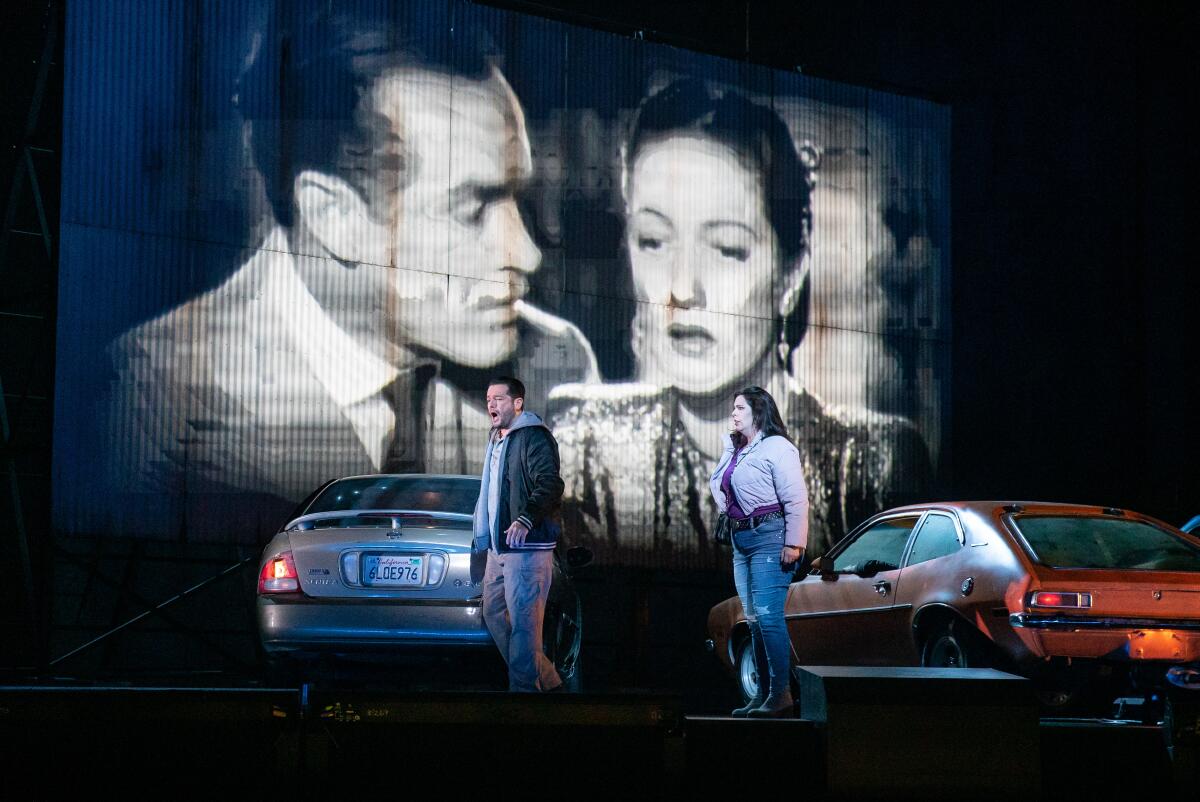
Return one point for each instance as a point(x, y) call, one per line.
point(1081, 599)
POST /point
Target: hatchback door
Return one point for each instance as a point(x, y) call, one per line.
point(1108, 582)
point(848, 616)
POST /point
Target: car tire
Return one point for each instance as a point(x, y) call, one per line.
point(745, 670)
point(573, 682)
point(955, 645)
point(1078, 688)
point(1058, 698)
point(562, 638)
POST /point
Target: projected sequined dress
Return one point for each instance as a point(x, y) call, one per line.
point(637, 486)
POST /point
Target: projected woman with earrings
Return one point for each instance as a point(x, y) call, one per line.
point(718, 220)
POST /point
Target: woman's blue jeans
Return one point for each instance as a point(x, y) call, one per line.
point(762, 585)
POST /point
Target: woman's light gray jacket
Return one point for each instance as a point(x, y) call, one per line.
point(768, 472)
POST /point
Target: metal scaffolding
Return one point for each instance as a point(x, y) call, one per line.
point(78, 600)
point(28, 278)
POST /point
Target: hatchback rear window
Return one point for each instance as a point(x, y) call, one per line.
point(1094, 542)
point(421, 493)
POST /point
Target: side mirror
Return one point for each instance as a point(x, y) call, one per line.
point(578, 557)
point(824, 566)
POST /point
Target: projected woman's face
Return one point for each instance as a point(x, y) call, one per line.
point(704, 259)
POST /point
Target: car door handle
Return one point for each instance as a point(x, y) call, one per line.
point(883, 588)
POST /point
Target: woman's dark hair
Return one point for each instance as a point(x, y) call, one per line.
point(762, 143)
point(765, 414)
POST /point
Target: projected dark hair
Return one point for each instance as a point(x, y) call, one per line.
point(755, 133)
point(764, 413)
point(307, 94)
point(762, 143)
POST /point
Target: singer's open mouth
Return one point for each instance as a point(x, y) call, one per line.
point(690, 340)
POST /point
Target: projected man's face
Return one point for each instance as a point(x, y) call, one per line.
point(456, 233)
point(704, 256)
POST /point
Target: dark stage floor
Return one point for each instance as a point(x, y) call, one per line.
point(62, 740)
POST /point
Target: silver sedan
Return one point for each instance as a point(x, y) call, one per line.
point(382, 563)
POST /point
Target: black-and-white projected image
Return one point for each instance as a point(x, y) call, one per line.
point(299, 239)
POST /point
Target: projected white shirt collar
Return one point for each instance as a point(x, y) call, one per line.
point(350, 374)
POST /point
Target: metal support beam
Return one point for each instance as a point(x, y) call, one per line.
point(10, 471)
point(159, 609)
point(25, 164)
point(25, 189)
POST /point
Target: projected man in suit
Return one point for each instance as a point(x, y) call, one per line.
point(398, 269)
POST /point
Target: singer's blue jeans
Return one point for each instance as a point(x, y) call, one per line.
point(762, 585)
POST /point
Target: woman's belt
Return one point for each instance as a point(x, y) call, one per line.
point(754, 520)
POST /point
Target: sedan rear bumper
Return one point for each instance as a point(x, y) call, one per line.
point(329, 626)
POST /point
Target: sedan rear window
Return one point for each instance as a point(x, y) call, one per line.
point(1093, 542)
point(421, 493)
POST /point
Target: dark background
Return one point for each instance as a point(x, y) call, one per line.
point(1073, 279)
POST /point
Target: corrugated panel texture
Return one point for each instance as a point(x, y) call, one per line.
point(298, 240)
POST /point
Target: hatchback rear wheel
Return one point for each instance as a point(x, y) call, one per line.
point(747, 672)
point(955, 645)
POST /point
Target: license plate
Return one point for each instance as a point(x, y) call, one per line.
point(389, 570)
point(1156, 645)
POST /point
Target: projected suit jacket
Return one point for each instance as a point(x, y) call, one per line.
point(224, 413)
point(637, 486)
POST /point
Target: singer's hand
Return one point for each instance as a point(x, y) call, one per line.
point(790, 555)
point(514, 536)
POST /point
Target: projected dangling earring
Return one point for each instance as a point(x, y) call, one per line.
point(786, 307)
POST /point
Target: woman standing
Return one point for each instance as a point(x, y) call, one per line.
point(759, 484)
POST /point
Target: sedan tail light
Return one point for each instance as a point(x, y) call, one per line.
point(1052, 598)
point(279, 575)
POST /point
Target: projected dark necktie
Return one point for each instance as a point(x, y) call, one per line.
point(404, 447)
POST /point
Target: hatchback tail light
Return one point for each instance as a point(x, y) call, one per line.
point(1052, 598)
point(279, 575)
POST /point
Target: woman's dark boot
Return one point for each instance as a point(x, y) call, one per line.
point(777, 705)
point(754, 703)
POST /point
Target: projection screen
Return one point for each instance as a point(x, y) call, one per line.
point(298, 240)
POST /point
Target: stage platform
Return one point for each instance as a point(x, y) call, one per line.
point(310, 742)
